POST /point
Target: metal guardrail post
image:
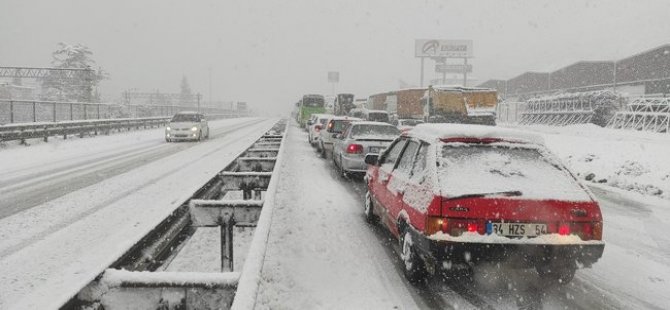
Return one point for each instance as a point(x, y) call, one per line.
point(71, 113)
point(34, 113)
point(11, 111)
point(98, 111)
point(54, 110)
point(84, 106)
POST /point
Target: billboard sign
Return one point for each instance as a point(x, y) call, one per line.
point(443, 48)
point(333, 77)
point(453, 68)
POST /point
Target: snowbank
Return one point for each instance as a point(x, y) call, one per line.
point(629, 160)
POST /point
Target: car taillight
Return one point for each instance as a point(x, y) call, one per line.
point(564, 229)
point(330, 126)
point(317, 128)
point(355, 149)
point(588, 230)
point(597, 230)
point(453, 227)
point(434, 224)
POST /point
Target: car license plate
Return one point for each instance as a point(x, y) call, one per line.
point(375, 149)
point(519, 229)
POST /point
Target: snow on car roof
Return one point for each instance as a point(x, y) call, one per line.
point(434, 132)
point(372, 123)
point(187, 112)
point(337, 118)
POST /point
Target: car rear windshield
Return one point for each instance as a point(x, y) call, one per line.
point(378, 117)
point(185, 118)
point(338, 125)
point(411, 122)
point(374, 132)
point(469, 169)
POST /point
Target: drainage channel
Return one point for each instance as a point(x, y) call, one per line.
point(195, 257)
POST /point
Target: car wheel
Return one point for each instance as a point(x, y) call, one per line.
point(370, 216)
point(557, 274)
point(199, 135)
point(413, 265)
point(323, 152)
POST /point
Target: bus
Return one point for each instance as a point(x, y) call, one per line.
point(310, 104)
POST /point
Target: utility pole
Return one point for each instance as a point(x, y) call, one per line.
point(210, 85)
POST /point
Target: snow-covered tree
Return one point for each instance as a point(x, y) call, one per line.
point(70, 86)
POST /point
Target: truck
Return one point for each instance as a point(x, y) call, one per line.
point(458, 104)
point(343, 104)
point(403, 103)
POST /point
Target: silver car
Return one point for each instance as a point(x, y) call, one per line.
point(187, 126)
point(359, 139)
point(334, 127)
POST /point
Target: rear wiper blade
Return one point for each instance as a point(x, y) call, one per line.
point(478, 195)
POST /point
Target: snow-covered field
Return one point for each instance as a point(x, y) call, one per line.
point(51, 250)
point(629, 160)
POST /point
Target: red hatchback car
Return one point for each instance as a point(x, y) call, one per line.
point(466, 194)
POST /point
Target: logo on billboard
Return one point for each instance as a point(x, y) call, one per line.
point(443, 48)
point(430, 47)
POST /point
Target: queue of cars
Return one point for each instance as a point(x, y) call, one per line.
point(459, 195)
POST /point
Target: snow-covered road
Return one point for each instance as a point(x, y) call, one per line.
point(46, 171)
point(322, 254)
point(53, 249)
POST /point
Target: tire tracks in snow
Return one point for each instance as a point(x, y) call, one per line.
point(9, 250)
point(55, 183)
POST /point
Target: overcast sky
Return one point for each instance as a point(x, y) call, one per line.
point(271, 52)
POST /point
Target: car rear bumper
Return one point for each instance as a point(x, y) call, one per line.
point(354, 164)
point(516, 254)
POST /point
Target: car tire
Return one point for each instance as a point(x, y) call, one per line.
point(199, 136)
point(323, 152)
point(557, 274)
point(369, 210)
point(413, 265)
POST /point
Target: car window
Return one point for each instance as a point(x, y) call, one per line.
point(336, 126)
point(347, 130)
point(407, 159)
point(391, 155)
point(379, 131)
point(185, 118)
point(419, 169)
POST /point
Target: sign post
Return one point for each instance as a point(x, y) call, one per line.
point(440, 51)
point(333, 78)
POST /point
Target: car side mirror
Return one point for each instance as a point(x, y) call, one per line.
point(372, 159)
point(336, 135)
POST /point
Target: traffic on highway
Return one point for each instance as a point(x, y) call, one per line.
point(257, 155)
